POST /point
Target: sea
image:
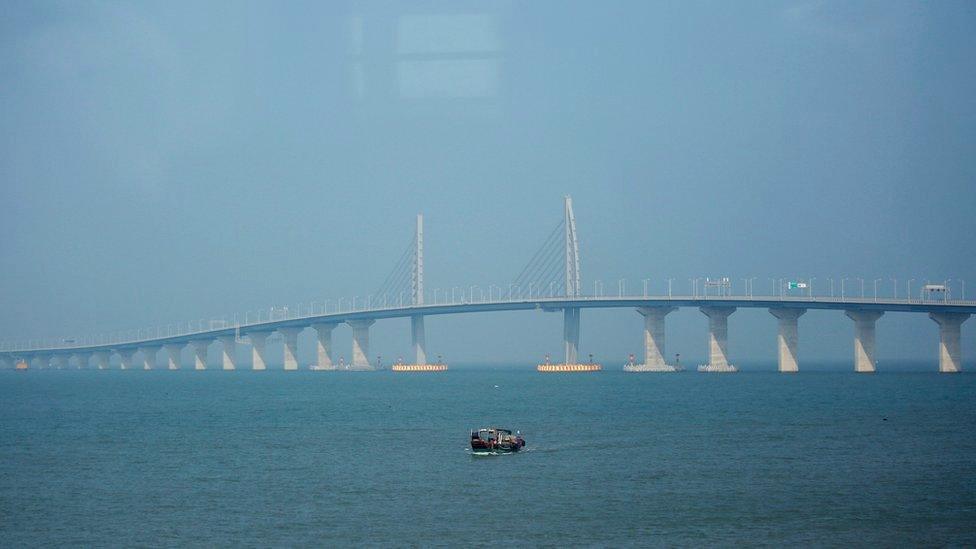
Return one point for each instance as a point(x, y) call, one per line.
point(261, 459)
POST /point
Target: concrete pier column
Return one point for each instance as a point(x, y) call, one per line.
point(149, 356)
point(101, 360)
point(360, 344)
point(125, 356)
point(258, 340)
point(419, 337)
point(323, 345)
point(864, 339)
point(81, 359)
point(228, 354)
point(788, 338)
point(43, 361)
point(199, 347)
point(291, 347)
point(654, 360)
point(173, 356)
point(718, 339)
point(950, 348)
point(571, 334)
point(60, 361)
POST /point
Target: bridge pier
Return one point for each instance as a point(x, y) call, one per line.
point(788, 338)
point(228, 353)
point(718, 339)
point(199, 347)
point(290, 336)
point(258, 341)
point(360, 344)
point(81, 359)
point(571, 334)
point(125, 356)
point(43, 361)
point(864, 322)
point(419, 336)
point(101, 360)
point(323, 345)
point(950, 347)
point(654, 360)
point(60, 361)
point(174, 356)
point(149, 356)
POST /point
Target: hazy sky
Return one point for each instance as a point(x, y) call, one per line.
point(168, 161)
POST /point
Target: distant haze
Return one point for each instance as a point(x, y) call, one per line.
point(170, 161)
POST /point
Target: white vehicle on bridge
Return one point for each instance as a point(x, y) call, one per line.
point(935, 291)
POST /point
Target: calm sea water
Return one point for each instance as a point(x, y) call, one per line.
point(323, 458)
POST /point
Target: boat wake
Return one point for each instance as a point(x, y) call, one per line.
point(486, 454)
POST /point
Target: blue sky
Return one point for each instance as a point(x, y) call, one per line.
point(168, 161)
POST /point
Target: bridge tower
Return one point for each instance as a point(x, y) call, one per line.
point(417, 332)
point(572, 251)
point(417, 270)
point(571, 315)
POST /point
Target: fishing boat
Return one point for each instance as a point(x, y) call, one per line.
point(492, 440)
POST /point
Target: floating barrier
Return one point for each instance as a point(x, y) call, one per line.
point(419, 367)
point(569, 367)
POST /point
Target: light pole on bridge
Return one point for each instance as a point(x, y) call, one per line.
point(894, 287)
point(910, 280)
point(645, 281)
point(862, 286)
point(670, 280)
point(876, 280)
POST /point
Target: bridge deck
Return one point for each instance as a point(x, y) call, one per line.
point(538, 303)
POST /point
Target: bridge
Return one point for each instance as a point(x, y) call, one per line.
point(550, 282)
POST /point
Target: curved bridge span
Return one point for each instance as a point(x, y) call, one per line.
point(553, 271)
point(864, 312)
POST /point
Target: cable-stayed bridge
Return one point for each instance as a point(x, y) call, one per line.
point(550, 281)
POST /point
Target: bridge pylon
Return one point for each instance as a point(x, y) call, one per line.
point(537, 274)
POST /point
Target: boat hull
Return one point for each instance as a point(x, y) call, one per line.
point(493, 451)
